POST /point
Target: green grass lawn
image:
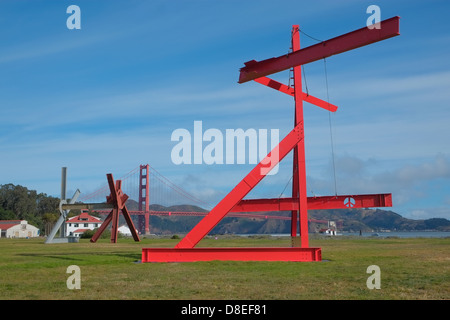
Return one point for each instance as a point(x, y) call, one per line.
point(410, 269)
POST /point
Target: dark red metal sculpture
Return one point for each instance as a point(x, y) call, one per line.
point(117, 200)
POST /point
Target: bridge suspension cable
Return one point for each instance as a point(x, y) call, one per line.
point(130, 183)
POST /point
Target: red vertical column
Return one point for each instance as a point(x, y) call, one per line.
point(299, 163)
point(144, 195)
point(115, 198)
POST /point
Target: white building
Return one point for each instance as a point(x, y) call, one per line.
point(17, 229)
point(75, 226)
point(125, 230)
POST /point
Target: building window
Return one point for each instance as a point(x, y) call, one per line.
point(86, 225)
point(75, 225)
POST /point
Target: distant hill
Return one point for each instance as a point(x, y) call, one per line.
point(18, 202)
point(377, 219)
point(133, 206)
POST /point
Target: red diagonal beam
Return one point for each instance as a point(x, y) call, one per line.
point(242, 189)
point(112, 198)
point(103, 227)
point(126, 215)
point(315, 203)
point(275, 85)
point(352, 40)
point(290, 91)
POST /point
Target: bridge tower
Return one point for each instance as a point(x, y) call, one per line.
point(144, 199)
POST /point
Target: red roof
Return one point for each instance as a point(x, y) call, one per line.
point(10, 221)
point(6, 224)
point(80, 230)
point(84, 217)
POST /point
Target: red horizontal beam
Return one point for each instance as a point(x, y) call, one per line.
point(260, 215)
point(230, 254)
point(202, 214)
point(349, 41)
point(315, 203)
point(289, 204)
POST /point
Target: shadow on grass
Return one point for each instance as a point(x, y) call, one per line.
point(79, 256)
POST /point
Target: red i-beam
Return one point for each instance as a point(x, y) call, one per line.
point(299, 203)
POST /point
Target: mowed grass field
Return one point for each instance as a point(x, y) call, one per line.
point(414, 268)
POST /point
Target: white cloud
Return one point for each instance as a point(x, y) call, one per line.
point(408, 183)
point(430, 212)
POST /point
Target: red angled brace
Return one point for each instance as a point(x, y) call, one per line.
point(290, 91)
point(241, 190)
point(117, 198)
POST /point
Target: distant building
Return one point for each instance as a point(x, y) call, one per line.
point(17, 229)
point(125, 231)
point(77, 225)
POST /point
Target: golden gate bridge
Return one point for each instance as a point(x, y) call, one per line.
point(151, 191)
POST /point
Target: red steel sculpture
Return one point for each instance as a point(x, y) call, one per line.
point(299, 203)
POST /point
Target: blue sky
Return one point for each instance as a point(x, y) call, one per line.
point(107, 97)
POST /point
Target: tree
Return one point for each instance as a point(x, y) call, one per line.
point(18, 199)
point(20, 203)
point(7, 214)
point(46, 204)
point(49, 219)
